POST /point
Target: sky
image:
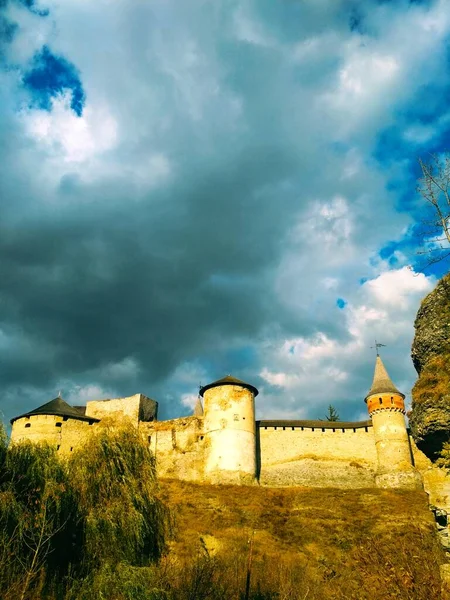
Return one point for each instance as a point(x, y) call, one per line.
point(201, 188)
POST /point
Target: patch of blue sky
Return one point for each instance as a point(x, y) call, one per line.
point(388, 251)
point(51, 75)
point(412, 246)
point(31, 5)
point(341, 303)
point(423, 112)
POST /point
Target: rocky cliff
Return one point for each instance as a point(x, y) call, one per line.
point(430, 415)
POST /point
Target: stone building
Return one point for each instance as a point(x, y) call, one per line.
point(222, 442)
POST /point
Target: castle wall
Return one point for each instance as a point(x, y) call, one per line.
point(134, 407)
point(317, 457)
point(64, 434)
point(179, 446)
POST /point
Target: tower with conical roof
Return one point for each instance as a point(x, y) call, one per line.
point(386, 406)
point(198, 408)
point(230, 430)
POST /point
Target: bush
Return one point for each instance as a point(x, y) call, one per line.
point(69, 524)
point(114, 476)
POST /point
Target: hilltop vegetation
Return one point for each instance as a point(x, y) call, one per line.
point(100, 526)
point(430, 415)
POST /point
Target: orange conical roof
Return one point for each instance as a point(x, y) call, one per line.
point(382, 383)
point(198, 408)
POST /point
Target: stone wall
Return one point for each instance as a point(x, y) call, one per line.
point(64, 433)
point(317, 457)
point(179, 446)
point(135, 407)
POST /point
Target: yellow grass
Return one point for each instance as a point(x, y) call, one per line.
point(343, 544)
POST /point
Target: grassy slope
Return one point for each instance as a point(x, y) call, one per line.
point(361, 544)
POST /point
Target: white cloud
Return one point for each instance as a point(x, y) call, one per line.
point(79, 395)
point(250, 144)
point(397, 288)
point(316, 370)
point(73, 139)
point(189, 400)
point(127, 368)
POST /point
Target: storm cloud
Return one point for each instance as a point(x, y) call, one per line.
point(199, 188)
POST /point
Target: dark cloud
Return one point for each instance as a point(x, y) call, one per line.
point(200, 195)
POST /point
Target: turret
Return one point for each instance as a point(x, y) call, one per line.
point(230, 430)
point(198, 408)
point(55, 423)
point(386, 406)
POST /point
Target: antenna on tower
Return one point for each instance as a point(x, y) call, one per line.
point(377, 346)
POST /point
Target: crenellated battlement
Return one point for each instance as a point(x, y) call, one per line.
point(222, 442)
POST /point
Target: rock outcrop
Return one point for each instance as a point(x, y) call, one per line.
point(430, 415)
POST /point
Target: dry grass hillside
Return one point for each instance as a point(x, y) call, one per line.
point(308, 544)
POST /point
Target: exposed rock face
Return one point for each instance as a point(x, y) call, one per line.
point(430, 415)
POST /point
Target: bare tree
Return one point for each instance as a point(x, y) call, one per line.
point(434, 187)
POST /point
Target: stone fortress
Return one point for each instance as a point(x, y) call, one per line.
point(222, 442)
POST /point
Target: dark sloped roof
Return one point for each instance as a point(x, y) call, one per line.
point(382, 383)
point(315, 424)
point(57, 407)
point(229, 380)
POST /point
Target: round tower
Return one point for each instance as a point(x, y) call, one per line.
point(386, 406)
point(230, 430)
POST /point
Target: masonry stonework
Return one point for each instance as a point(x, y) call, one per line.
point(317, 454)
point(65, 435)
point(222, 442)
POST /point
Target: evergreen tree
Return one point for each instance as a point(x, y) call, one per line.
point(332, 414)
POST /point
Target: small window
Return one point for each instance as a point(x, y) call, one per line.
point(149, 439)
point(27, 424)
point(58, 446)
point(58, 424)
point(71, 448)
point(381, 400)
point(367, 429)
point(201, 437)
point(243, 418)
point(312, 429)
point(323, 429)
point(392, 400)
point(293, 428)
point(284, 428)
